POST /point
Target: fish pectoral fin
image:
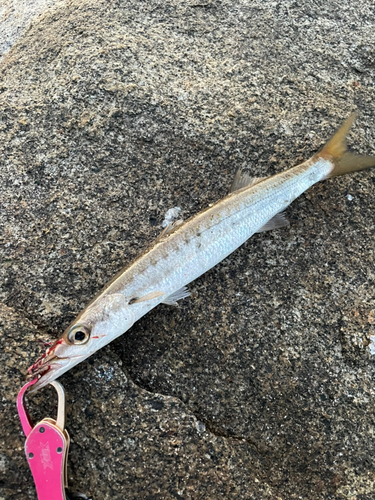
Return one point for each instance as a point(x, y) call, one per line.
point(279, 220)
point(241, 181)
point(149, 296)
point(178, 295)
point(171, 300)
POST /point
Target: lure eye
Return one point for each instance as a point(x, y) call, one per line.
point(79, 334)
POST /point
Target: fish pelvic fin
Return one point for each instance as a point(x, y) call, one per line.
point(343, 161)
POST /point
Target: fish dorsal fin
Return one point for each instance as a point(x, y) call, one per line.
point(279, 220)
point(241, 181)
point(178, 295)
point(172, 226)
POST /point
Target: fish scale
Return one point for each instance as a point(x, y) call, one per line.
point(207, 239)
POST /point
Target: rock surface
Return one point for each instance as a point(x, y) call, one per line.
point(15, 18)
point(262, 384)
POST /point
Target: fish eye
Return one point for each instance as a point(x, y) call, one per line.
point(79, 334)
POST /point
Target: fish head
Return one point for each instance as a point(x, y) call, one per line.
point(104, 320)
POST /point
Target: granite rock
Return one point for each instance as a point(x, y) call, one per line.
point(261, 384)
point(15, 17)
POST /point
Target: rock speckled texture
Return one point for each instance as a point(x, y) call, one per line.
point(15, 17)
point(262, 384)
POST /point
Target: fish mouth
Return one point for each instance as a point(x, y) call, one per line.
point(47, 368)
point(50, 367)
point(41, 366)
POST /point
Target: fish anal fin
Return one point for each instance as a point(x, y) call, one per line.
point(242, 180)
point(178, 295)
point(279, 220)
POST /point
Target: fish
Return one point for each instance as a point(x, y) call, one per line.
point(186, 250)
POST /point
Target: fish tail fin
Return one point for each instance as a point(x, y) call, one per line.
point(335, 150)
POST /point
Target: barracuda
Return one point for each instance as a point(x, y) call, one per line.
point(185, 251)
